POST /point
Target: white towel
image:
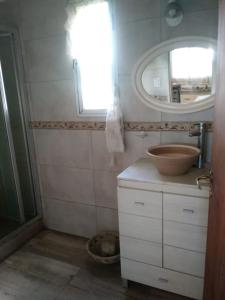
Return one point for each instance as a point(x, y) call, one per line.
point(115, 130)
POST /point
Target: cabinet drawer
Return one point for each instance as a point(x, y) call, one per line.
point(140, 227)
point(139, 250)
point(184, 261)
point(185, 236)
point(185, 209)
point(171, 281)
point(142, 203)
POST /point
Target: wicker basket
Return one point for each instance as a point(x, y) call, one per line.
point(104, 247)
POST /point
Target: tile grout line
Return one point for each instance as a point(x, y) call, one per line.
point(93, 179)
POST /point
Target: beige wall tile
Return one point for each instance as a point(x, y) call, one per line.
point(177, 137)
point(42, 18)
point(48, 59)
point(134, 148)
point(105, 188)
point(200, 23)
point(68, 184)
point(133, 109)
point(102, 160)
point(136, 145)
point(191, 5)
point(7, 12)
point(205, 115)
point(64, 148)
point(134, 39)
point(53, 101)
point(133, 10)
point(52, 147)
point(72, 218)
point(107, 219)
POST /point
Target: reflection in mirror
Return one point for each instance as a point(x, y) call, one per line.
point(155, 78)
point(182, 75)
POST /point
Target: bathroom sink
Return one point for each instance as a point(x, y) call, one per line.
point(173, 159)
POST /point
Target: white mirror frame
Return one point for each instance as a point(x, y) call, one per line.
point(150, 55)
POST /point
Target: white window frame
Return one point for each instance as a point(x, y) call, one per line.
point(81, 112)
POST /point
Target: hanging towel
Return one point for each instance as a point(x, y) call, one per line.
point(115, 129)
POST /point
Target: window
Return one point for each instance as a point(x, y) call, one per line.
point(192, 62)
point(92, 50)
point(191, 73)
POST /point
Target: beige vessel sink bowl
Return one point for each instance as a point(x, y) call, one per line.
point(173, 159)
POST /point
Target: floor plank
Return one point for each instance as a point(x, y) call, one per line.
point(56, 266)
point(71, 293)
point(45, 268)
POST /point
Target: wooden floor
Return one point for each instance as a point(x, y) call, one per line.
point(56, 266)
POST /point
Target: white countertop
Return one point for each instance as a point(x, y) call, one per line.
point(144, 175)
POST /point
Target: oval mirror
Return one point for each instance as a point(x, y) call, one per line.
point(177, 76)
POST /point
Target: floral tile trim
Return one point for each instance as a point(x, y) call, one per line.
point(163, 126)
point(68, 125)
point(129, 126)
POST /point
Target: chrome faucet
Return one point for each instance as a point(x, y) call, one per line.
point(200, 132)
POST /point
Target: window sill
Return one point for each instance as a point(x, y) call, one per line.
point(92, 114)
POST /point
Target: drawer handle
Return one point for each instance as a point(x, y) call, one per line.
point(139, 203)
point(189, 211)
point(164, 280)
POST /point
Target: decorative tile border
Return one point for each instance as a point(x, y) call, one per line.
point(129, 126)
point(163, 126)
point(68, 125)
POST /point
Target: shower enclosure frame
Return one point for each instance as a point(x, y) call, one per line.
point(19, 71)
point(11, 146)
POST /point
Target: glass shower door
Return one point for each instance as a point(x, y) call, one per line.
point(11, 207)
point(16, 124)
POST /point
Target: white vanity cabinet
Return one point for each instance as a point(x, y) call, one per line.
point(163, 229)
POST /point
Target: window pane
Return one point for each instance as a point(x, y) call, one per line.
point(192, 70)
point(192, 62)
point(93, 50)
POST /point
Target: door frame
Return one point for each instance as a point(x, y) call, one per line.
point(214, 287)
